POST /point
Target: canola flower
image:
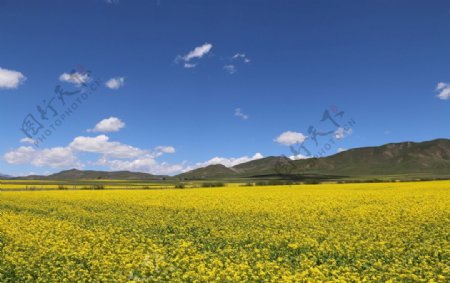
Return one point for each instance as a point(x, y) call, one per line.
point(387, 232)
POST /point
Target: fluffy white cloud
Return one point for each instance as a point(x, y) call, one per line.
point(444, 90)
point(146, 164)
point(101, 144)
point(115, 83)
point(228, 162)
point(21, 155)
point(54, 157)
point(198, 52)
point(111, 149)
point(75, 78)
point(10, 79)
point(114, 155)
point(290, 138)
point(112, 124)
point(231, 69)
point(238, 113)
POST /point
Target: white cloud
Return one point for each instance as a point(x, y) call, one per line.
point(341, 133)
point(189, 65)
point(75, 78)
point(114, 155)
point(231, 69)
point(228, 162)
point(112, 124)
point(115, 83)
point(101, 144)
point(28, 140)
point(53, 157)
point(145, 163)
point(238, 113)
point(56, 157)
point(444, 90)
point(165, 149)
point(299, 156)
point(198, 52)
point(21, 155)
point(290, 138)
point(241, 56)
point(340, 149)
point(10, 79)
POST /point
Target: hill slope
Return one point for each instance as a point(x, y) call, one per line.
point(75, 174)
point(3, 176)
point(395, 158)
point(431, 157)
point(210, 172)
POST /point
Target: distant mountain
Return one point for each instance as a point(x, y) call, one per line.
point(75, 174)
point(260, 167)
point(211, 171)
point(432, 157)
point(4, 176)
point(396, 158)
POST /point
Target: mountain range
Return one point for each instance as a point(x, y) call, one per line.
point(430, 157)
point(3, 176)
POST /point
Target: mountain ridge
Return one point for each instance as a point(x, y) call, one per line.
point(75, 174)
point(431, 157)
point(388, 159)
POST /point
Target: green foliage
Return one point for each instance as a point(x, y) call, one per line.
point(312, 181)
point(180, 186)
point(275, 183)
point(212, 185)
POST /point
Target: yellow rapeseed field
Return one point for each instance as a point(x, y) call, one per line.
point(387, 232)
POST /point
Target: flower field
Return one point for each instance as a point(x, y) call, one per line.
point(381, 232)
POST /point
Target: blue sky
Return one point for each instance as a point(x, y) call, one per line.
point(183, 84)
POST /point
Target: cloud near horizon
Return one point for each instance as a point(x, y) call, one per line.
point(113, 154)
point(227, 162)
